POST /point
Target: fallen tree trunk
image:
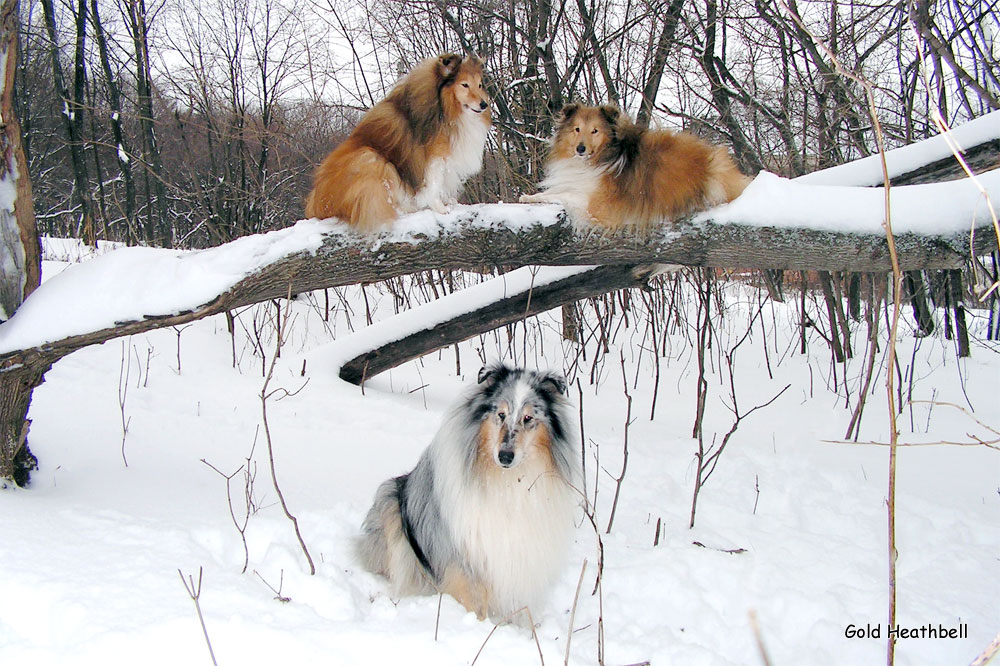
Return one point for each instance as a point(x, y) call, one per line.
point(476, 239)
point(524, 302)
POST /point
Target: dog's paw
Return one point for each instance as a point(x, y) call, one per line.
point(440, 207)
point(534, 198)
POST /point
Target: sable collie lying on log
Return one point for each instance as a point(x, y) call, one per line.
point(610, 172)
point(487, 514)
point(412, 150)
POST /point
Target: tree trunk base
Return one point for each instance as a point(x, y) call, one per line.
point(17, 381)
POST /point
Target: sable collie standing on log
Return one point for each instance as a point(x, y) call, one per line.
point(487, 514)
point(608, 171)
point(412, 150)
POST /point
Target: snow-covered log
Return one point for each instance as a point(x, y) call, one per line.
point(775, 224)
point(503, 300)
point(928, 161)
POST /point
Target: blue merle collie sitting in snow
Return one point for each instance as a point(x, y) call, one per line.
point(487, 514)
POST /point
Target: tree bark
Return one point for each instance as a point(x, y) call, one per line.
point(114, 101)
point(72, 115)
point(158, 231)
point(20, 260)
point(655, 76)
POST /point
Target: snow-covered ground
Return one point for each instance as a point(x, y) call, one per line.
point(90, 554)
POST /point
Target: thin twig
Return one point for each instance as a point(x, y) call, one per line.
point(481, 647)
point(194, 591)
point(242, 529)
point(572, 612)
point(124, 370)
point(628, 423)
point(990, 444)
point(991, 651)
point(958, 407)
point(755, 625)
point(437, 620)
point(531, 622)
point(583, 448)
point(281, 584)
point(264, 395)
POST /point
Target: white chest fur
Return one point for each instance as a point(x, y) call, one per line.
point(571, 182)
point(517, 536)
point(445, 175)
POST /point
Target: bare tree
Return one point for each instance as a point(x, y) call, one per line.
point(20, 270)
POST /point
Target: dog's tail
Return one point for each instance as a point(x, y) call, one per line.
point(725, 182)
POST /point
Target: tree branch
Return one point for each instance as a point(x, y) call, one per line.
point(425, 337)
point(479, 236)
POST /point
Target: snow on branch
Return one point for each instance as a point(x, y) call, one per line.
point(930, 160)
point(776, 223)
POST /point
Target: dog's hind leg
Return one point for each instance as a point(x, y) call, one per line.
point(373, 192)
point(384, 549)
point(469, 592)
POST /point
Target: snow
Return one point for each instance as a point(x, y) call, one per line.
point(945, 209)
point(90, 558)
point(423, 224)
point(134, 282)
point(868, 171)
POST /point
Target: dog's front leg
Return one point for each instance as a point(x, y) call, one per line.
point(432, 194)
point(467, 591)
point(540, 197)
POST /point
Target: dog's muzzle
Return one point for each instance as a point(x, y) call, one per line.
point(505, 457)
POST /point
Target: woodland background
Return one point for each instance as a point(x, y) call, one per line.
point(188, 124)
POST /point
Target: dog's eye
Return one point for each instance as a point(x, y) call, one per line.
point(528, 418)
point(593, 131)
point(465, 85)
point(577, 130)
point(501, 416)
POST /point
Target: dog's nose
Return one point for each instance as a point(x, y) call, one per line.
point(482, 104)
point(581, 149)
point(505, 457)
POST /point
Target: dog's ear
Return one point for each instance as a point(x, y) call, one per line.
point(491, 374)
point(553, 382)
point(567, 113)
point(610, 113)
point(475, 61)
point(447, 65)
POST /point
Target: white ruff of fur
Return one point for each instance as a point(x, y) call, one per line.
point(513, 528)
point(572, 182)
point(444, 176)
